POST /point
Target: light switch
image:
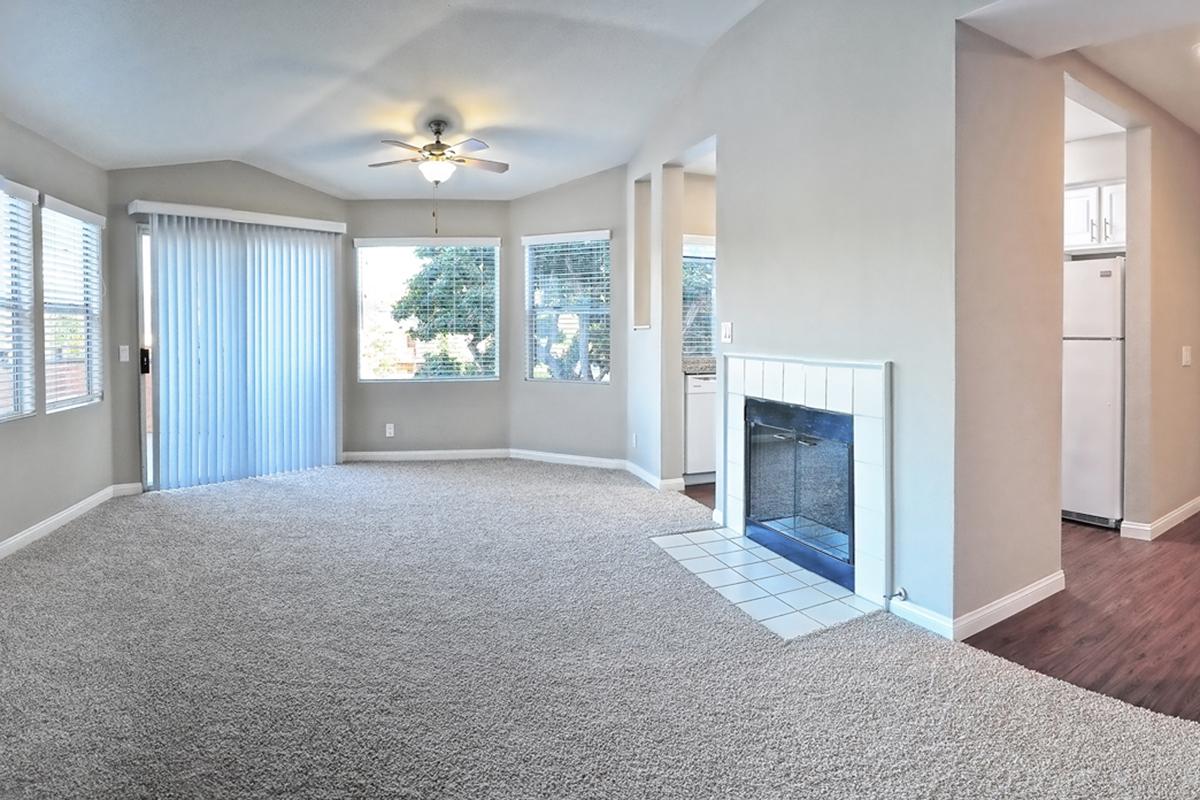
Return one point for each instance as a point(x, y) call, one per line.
point(726, 332)
point(123, 352)
point(1187, 355)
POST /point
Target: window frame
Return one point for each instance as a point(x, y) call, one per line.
point(93, 321)
point(425, 241)
point(30, 395)
point(535, 240)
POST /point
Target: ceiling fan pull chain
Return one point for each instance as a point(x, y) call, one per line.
point(435, 216)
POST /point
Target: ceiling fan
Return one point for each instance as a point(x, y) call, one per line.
point(438, 160)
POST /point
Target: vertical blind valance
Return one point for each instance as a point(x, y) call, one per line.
point(244, 370)
point(17, 393)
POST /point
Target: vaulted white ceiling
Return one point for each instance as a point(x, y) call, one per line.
point(307, 88)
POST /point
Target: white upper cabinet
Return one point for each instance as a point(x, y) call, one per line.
point(1081, 217)
point(1094, 218)
point(1112, 214)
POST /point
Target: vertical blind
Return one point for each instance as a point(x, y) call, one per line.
point(71, 314)
point(568, 307)
point(17, 396)
point(244, 370)
point(699, 270)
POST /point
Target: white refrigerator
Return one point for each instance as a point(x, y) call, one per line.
point(1093, 390)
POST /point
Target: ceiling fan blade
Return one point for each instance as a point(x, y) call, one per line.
point(405, 145)
point(468, 146)
point(399, 161)
point(482, 163)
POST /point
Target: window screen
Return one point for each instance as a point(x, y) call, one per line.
point(568, 307)
point(428, 310)
point(17, 396)
point(71, 296)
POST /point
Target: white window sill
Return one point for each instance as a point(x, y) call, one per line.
point(91, 401)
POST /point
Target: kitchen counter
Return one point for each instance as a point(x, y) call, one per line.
point(700, 366)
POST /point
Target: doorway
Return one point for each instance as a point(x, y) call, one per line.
point(1093, 345)
point(698, 327)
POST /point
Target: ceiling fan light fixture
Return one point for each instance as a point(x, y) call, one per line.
point(436, 171)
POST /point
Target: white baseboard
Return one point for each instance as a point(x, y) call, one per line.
point(981, 618)
point(424, 455)
point(667, 484)
point(567, 458)
point(662, 484)
point(1152, 530)
point(919, 615)
point(718, 516)
point(69, 514)
point(999, 610)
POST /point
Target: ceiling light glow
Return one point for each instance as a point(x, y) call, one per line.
point(436, 171)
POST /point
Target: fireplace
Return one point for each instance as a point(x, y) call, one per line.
point(800, 485)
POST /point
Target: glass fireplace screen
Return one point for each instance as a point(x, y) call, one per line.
point(800, 475)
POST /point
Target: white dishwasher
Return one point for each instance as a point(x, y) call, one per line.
point(700, 425)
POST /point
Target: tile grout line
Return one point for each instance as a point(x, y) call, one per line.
point(838, 602)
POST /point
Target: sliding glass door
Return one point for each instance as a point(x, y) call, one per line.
point(241, 349)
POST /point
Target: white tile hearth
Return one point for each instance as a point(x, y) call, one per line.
point(787, 599)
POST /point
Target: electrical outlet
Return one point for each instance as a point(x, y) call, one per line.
point(1187, 355)
point(123, 353)
point(389, 430)
point(726, 332)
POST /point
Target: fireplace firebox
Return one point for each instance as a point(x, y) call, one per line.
point(800, 486)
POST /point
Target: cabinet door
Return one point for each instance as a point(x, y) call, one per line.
point(1081, 217)
point(1112, 207)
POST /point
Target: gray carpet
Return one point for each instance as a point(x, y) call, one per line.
point(496, 630)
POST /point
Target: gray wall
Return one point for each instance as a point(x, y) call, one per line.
point(467, 415)
point(428, 416)
point(845, 249)
point(225, 184)
point(1008, 296)
point(49, 462)
point(699, 204)
point(580, 419)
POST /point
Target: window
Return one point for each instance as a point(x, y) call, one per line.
point(17, 396)
point(71, 295)
point(699, 262)
point(427, 309)
point(568, 310)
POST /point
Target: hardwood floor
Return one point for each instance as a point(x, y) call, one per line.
point(1127, 625)
point(705, 493)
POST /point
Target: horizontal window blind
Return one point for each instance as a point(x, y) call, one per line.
point(17, 395)
point(71, 314)
point(698, 272)
point(428, 311)
point(568, 308)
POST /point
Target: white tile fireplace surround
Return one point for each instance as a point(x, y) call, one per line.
point(860, 389)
